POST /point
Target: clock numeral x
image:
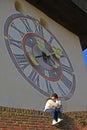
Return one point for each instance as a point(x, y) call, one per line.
point(18, 30)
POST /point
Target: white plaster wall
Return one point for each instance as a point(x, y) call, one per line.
point(14, 90)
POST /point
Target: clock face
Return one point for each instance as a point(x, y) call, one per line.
point(39, 56)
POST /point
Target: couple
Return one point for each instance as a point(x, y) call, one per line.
point(54, 106)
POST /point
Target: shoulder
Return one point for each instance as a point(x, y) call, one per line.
point(50, 100)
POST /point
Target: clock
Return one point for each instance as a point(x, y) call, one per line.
point(38, 56)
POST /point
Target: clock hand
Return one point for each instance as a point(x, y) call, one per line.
point(38, 56)
point(40, 45)
point(57, 52)
point(49, 61)
point(46, 55)
point(33, 59)
point(43, 49)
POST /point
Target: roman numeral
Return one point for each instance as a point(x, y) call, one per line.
point(39, 29)
point(26, 24)
point(51, 39)
point(22, 61)
point(67, 69)
point(16, 43)
point(66, 81)
point(18, 30)
point(61, 90)
point(34, 76)
point(49, 87)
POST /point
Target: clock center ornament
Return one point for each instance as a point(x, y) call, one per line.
point(39, 56)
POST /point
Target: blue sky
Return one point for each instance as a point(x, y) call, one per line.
point(85, 56)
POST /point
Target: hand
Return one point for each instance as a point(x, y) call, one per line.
point(46, 55)
point(40, 45)
point(33, 59)
point(57, 52)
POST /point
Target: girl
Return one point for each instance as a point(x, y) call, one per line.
point(54, 105)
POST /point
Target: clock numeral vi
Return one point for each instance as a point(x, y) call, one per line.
point(49, 87)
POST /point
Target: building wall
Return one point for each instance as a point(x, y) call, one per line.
point(15, 91)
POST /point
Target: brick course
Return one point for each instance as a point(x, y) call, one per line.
point(24, 119)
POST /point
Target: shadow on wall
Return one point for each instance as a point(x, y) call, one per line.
point(67, 123)
point(73, 121)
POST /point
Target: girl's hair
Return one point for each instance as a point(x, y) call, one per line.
point(54, 95)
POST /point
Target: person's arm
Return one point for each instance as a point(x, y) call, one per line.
point(59, 104)
point(49, 104)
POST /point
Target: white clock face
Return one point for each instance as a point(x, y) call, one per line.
point(39, 56)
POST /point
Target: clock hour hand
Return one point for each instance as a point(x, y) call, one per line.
point(57, 52)
point(44, 56)
point(47, 55)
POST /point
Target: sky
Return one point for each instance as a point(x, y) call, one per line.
point(85, 56)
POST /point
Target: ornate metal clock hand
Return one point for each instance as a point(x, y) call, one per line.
point(40, 45)
point(33, 59)
point(57, 52)
point(47, 55)
point(47, 59)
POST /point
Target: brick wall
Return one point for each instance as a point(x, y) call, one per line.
point(24, 119)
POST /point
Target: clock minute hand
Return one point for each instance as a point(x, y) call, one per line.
point(40, 45)
point(38, 56)
point(44, 55)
